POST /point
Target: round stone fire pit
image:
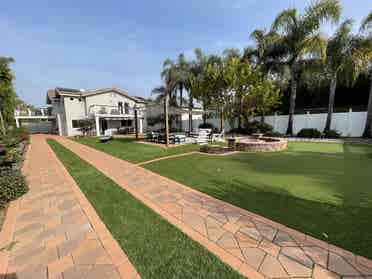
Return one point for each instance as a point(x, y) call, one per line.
point(260, 144)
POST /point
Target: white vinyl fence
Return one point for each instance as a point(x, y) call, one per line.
point(349, 124)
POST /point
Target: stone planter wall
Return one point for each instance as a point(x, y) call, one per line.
point(264, 144)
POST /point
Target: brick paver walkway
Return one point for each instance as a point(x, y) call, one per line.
point(253, 245)
point(54, 231)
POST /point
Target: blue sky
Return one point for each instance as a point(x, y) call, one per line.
point(94, 44)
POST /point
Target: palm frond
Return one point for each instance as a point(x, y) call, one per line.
point(321, 11)
point(286, 20)
point(367, 23)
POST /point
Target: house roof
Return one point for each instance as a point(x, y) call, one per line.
point(58, 91)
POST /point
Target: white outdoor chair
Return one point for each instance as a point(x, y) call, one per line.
point(218, 137)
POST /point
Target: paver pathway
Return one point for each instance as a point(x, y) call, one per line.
point(253, 245)
point(53, 231)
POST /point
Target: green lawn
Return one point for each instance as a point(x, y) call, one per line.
point(130, 150)
point(321, 189)
point(156, 248)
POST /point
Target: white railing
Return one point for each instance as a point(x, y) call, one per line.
point(29, 112)
point(111, 110)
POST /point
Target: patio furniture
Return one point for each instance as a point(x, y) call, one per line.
point(218, 137)
point(153, 137)
point(179, 139)
point(203, 137)
point(105, 139)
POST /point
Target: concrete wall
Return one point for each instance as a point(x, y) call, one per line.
point(349, 124)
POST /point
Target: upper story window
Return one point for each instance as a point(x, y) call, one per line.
point(120, 107)
point(126, 108)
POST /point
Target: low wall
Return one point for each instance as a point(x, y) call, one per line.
point(263, 144)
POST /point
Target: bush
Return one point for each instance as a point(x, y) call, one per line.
point(206, 126)
point(332, 134)
point(258, 127)
point(273, 134)
point(309, 133)
point(12, 185)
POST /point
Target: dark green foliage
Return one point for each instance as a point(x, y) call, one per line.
point(332, 134)
point(12, 146)
point(273, 134)
point(12, 185)
point(309, 133)
point(155, 247)
point(206, 126)
point(258, 127)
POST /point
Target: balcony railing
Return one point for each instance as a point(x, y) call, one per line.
point(112, 110)
point(38, 112)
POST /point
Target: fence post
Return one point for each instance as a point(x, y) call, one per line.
point(350, 123)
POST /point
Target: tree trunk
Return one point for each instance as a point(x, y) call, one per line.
point(221, 121)
point(262, 118)
point(181, 97)
point(190, 113)
point(292, 104)
point(331, 102)
point(166, 119)
point(204, 114)
point(2, 123)
point(368, 128)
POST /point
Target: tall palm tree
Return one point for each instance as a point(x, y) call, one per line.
point(195, 69)
point(170, 77)
point(366, 28)
point(339, 61)
point(301, 41)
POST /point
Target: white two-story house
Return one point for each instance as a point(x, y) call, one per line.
point(112, 109)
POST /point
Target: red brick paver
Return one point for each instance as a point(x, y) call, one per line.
point(53, 231)
point(253, 245)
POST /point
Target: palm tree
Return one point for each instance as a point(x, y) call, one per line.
point(339, 55)
point(170, 77)
point(367, 28)
point(301, 41)
point(6, 78)
point(195, 69)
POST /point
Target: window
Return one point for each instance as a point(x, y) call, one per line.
point(120, 107)
point(126, 108)
point(71, 99)
point(126, 123)
point(75, 124)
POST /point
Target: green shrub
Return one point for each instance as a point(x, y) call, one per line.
point(12, 185)
point(258, 127)
point(273, 134)
point(206, 126)
point(332, 134)
point(309, 133)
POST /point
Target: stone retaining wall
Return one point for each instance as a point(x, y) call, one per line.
point(263, 145)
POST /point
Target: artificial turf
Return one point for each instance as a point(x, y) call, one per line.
point(324, 190)
point(156, 248)
point(130, 150)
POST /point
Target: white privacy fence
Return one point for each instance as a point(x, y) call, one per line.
point(349, 124)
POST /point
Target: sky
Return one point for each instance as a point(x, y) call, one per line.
point(87, 44)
